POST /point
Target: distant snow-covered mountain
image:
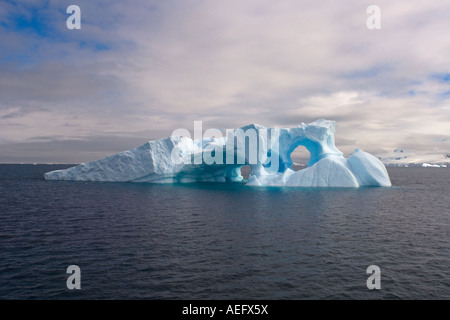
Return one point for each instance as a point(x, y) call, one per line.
point(404, 158)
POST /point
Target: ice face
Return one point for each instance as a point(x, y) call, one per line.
point(177, 159)
point(328, 172)
point(368, 170)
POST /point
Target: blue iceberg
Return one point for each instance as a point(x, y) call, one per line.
point(180, 159)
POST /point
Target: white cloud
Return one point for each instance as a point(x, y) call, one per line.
point(150, 66)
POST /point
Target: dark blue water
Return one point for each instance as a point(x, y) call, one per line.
point(222, 241)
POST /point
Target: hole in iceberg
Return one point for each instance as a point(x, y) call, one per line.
point(300, 157)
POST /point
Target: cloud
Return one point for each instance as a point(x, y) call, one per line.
point(154, 66)
point(60, 149)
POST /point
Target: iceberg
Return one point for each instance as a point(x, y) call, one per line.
point(430, 165)
point(180, 159)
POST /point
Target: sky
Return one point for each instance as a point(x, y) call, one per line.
point(137, 70)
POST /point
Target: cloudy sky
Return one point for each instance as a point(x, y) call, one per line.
point(137, 70)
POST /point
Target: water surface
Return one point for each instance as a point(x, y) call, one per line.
point(223, 241)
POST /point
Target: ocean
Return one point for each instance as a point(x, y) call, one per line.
point(223, 241)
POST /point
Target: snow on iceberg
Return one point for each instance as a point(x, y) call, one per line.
point(180, 159)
